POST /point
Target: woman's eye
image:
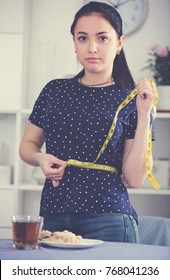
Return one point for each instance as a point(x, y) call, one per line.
point(103, 38)
point(82, 38)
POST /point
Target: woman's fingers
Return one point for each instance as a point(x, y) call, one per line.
point(53, 168)
point(145, 89)
point(57, 174)
point(55, 183)
point(145, 97)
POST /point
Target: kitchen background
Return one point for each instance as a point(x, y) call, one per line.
point(35, 46)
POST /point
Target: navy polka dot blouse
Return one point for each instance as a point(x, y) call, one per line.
point(76, 120)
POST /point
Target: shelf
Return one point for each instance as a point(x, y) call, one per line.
point(8, 112)
point(22, 187)
point(163, 115)
point(29, 187)
point(7, 187)
point(148, 191)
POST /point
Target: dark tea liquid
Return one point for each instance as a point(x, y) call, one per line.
point(25, 234)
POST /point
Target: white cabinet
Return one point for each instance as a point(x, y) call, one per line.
point(11, 52)
point(12, 25)
point(146, 200)
point(8, 198)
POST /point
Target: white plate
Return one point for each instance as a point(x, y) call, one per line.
point(87, 243)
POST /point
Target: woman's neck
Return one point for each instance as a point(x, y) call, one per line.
point(109, 82)
point(96, 80)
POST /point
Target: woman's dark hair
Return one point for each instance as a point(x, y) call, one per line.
point(121, 73)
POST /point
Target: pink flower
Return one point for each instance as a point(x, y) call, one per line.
point(162, 52)
point(159, 64)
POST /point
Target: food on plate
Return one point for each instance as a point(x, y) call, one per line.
point(61, 237)
point(45, 234)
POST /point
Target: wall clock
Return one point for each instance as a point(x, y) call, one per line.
point(133, 13)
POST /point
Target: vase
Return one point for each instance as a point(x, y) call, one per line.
point(164, 98)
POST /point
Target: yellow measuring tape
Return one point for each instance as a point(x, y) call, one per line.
point(94, 165)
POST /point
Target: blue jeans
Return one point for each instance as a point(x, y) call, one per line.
point(113, 227)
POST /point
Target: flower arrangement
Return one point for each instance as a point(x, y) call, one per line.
point(159, 64)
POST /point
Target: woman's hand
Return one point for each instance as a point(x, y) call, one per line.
point(52, 167)
point(145, 97)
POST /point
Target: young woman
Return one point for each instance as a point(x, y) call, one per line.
point(73, 117)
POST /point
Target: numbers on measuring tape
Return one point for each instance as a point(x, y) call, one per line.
point(94, 165)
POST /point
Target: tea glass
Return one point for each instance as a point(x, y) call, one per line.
point(25, 231)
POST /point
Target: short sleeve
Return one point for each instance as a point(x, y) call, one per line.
point(37, 115)
point(131, 124)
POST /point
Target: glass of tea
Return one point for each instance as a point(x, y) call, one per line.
point(25, 231)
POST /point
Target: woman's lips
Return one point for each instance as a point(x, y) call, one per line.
point(92, 59)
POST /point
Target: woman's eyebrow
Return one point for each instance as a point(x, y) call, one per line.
point(102, 32)
point(98, 33)
point(81, 32)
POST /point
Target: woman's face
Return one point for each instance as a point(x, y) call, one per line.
point(96, 43)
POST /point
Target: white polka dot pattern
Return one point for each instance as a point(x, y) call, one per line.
point(76, 120)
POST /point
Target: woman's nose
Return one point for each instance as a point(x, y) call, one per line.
point(92, 47)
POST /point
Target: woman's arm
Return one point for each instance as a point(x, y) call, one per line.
point(134, 168)
point(30, 152)
point(31, 144)
point(134, 160)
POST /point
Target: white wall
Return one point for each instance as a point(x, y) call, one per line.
point(46, 27)
point(11, 16)
point(50, 34)
point(51, 47)
point(155, 30)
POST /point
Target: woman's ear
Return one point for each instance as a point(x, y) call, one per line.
point(121, 42)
